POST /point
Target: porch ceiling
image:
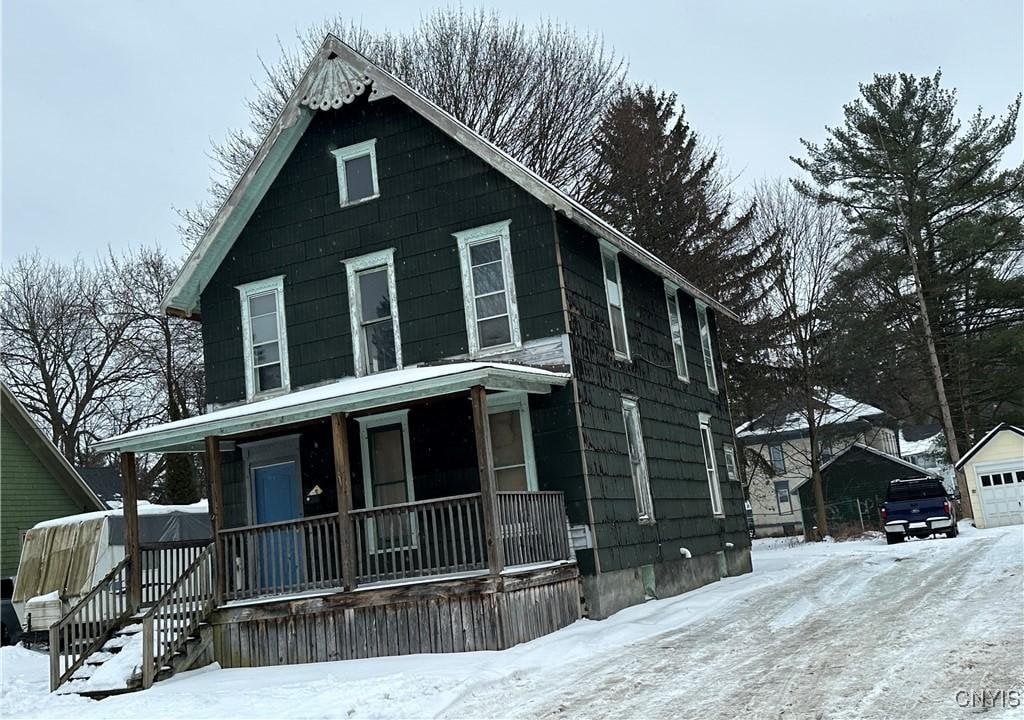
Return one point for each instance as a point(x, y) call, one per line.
point(346, 395)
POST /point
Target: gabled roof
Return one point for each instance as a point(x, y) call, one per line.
point(835, 409)
point(55, 463)
point(860, 447)
point(336, 75)
point(985, 440)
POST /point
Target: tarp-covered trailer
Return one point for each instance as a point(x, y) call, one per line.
point(62, 559)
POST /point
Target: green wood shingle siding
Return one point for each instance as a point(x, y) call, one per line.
point(29, 493)
point(430, 187)
point(668, 411)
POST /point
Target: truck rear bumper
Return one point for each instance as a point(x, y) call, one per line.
point(919, 527)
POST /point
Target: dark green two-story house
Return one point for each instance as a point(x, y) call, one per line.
point(450, 408)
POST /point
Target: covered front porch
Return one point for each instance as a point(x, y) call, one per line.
point(420, 475)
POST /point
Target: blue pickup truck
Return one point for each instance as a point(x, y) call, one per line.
point(918, 507)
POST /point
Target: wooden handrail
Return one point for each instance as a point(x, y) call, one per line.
point(277, 524)
point(413, 504)
point(173, 544)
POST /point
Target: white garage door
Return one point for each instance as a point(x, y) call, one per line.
point(1002, 494)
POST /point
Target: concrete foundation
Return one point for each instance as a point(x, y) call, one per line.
point(609, 592)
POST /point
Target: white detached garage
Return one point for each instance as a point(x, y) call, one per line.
point(994, 469)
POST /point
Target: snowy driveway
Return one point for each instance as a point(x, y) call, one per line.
point(845, 630)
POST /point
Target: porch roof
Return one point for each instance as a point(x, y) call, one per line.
point(349, 394)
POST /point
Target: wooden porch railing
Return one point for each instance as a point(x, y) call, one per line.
point(281, 557)
point(163, 563)
point(177, 614)
point(87, 625)
point(419, 539)
point(426, 538)
point(534, 528)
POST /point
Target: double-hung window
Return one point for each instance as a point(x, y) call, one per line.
point(637, 460)
point(373, 312)
point(705, 344)
point(616, 310)
point(782, 498)
point(488, 288)
point(778, 459)
point(357, 172)
point(264, 336)
point(714, 486)
point(508, 416)
point(675, 326)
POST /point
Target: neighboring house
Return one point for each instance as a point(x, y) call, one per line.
point(36, 482)
point(777, 453)
point(105, 482)
point(925, 446)
point(424, 364)
point(994, 469)
point(854, 483)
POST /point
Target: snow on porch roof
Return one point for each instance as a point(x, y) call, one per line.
point(346, 395)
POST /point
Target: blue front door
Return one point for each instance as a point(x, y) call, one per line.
point(276, 495)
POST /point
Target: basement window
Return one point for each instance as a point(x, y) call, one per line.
point(264, 337)
point(373, 313)
point(357, 172)
point(638, 460)
point(488, 288)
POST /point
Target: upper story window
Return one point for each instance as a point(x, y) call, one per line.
point(616, 310)
point(637, 460)
point(714, 484)
point(731, 469)
point(264, 336)
point(675, 326)
point(373, 312)
point(488, 288)
point(705, 344)
point(778, 459)
point(357, 172)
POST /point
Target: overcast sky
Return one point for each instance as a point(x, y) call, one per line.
point(109, 107)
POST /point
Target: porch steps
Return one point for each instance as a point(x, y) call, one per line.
point(197, 651)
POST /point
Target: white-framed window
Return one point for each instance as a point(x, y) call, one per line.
point(714, 485)
point(508, 415)
point(782, 497)
point(373, 312)
point(264, 337)
point(613, 292)
point(357, 172)
point(387, 478)
point(778, 458)
point(637, 460)
point(731, 469)
point(488, 288)
point(675, 327)
point(706, 347)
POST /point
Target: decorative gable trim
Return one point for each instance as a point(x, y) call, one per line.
point(336, 83)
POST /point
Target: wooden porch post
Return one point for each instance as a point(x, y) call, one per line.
point(130, 510)
point(488, 486)
point(216, 500)
point(343, 483)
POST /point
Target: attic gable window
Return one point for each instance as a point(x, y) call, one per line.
point(373, 312)
point(264, 337)
point(675, 326)
point(357, 172)
point(705, 344)
point(488, 288)
point(613, 292)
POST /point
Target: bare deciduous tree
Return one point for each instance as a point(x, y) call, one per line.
point(536, 93)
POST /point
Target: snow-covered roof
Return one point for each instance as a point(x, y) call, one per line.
point(866, 448)
point(334, 76)
point(832, 409)
point(145, 508)
point(924, 446)
point(984, 441)
point(346, 395)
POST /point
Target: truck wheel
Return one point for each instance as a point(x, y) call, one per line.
point(954, 532)
point(893, 538)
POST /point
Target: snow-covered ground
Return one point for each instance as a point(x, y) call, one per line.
point(856, 629)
